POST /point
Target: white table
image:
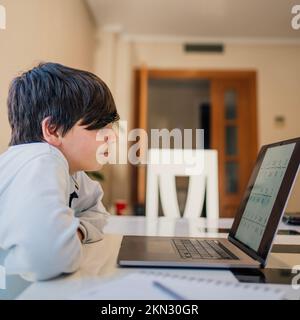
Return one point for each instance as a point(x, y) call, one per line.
point(100, 258)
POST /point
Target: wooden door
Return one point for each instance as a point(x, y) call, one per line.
point(234, 135)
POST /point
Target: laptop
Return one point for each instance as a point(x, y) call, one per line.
point(255, 225)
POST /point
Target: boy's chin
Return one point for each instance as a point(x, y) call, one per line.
point(96, 167)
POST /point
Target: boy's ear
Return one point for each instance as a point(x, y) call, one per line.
point(50, 133)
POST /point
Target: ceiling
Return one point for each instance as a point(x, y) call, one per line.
point(257, 19)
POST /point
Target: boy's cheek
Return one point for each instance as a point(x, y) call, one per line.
point(105, 154)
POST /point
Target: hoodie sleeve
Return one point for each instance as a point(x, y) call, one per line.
point(42, 231)
point(89, 208)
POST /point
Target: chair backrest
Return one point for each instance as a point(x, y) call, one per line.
point(201, 166)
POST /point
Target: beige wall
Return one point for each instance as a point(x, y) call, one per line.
point(277, 66)
point(42, 30)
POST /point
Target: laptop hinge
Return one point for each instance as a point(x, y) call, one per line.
point(248, 251)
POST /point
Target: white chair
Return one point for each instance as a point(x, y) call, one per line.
point(201, 166)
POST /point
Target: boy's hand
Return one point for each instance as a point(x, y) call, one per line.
point(80, 234)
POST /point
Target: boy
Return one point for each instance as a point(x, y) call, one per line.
point(48, 205)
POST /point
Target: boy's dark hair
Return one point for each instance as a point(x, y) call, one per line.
point(64, 94)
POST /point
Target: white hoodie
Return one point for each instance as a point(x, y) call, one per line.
point(41, 208)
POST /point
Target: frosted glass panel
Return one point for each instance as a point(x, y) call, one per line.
point(231, 140)
point(231, 177)
point(230, 104)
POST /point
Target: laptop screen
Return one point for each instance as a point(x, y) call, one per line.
point(258, 217)
point(263, 195)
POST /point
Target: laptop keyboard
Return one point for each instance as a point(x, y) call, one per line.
point(202, 249)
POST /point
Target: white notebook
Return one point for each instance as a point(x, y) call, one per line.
point(151, 285)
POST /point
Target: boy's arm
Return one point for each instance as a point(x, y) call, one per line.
point(42, 229)
point(89, 209)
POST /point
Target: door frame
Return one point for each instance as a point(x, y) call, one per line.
point(143, 74)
